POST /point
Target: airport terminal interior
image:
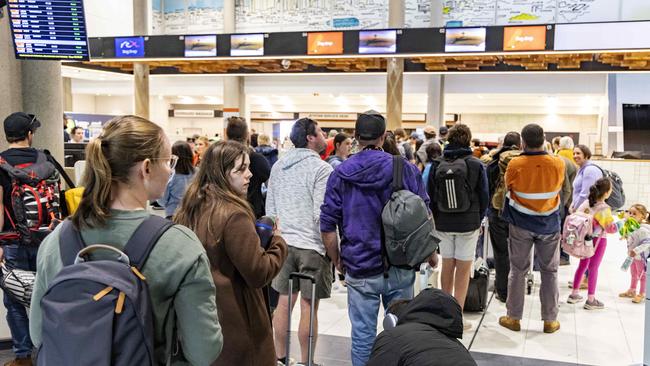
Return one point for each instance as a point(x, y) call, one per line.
point(577, 68)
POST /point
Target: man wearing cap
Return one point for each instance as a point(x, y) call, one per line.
point(443, 131)
point(19, 132)
point(429, 138)
point(295, 194)
point(357, 192)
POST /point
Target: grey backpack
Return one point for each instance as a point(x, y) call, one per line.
point(98, 312)
point(408, 227)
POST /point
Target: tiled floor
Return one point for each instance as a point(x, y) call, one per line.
point(613, 336)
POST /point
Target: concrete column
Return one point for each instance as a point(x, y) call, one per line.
point(42, 95)
point(395, 71)
point(67, 95)
point(436, 88)
point(141, 12)
point(234, 98)
point(11, 93)
point(614, 127)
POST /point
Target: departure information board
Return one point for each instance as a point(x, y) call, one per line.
point(49, 29)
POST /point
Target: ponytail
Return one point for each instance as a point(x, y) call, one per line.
point(598, 190)
point(124, 142)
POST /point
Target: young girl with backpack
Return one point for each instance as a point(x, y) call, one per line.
point(636, 236)
point(603, 223)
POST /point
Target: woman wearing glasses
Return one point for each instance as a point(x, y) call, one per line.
point(182, 176)
point(215, 207)
point(128, 164)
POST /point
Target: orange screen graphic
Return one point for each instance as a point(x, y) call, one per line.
point(524, 38)
point(328, 43)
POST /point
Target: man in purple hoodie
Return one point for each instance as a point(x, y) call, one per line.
point(355, 197)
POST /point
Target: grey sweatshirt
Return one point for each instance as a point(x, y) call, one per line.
point(295, 193)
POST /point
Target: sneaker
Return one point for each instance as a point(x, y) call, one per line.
point(510, 323)
point(19, 362)
point(629, 294)
point(638, 298)
point(574, 299)
point(594, 305)
point(500, 298)
point(551, 326)
point(583, 286)
point(292, 362)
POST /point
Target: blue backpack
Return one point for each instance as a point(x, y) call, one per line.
point(98, 312)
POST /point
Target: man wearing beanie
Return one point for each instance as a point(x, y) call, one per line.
point(357, 192)
point(295, 194)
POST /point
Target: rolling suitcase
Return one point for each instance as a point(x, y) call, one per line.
point(477, 291)
point(298, 276)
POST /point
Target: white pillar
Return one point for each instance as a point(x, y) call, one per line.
point(141, 14)
point(234, 98)
point(436, 88)
point(394, 71)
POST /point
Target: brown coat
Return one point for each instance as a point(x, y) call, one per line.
point(240, 268)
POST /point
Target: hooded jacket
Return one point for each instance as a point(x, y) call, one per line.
point(269, 152)
point(357, 192)
point(426, 334)
point(469, 220)
point(295, 194)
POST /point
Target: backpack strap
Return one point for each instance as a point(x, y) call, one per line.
point(61, 170)
point(70, 243)
point(144, 239)
point(398, 173)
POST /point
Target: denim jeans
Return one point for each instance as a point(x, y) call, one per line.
point(364, 295)
point(19, 257)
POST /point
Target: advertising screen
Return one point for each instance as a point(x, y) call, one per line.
point(46, 29)
point(325, 43)
point(201, 46)
point(247, 45)
point(465, 40)
point(524, 38)
point(380, 41)
point(129, 47)
point(602, 36)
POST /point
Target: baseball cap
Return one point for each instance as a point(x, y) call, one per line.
point(443, 130)
point(429, 130)
point(299, 132)
point(19, 124)
point(370, 125)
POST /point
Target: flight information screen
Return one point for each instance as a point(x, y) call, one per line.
point(49, 29)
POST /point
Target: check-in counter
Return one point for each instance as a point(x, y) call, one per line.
point(635, 175)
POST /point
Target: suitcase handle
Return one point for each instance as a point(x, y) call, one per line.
point(302, 276)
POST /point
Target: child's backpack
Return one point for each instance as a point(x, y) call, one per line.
point(577, 235)
point(499, 196)
point(97, 312)
point(35, 200)
point(408, 228)
point(451, 182)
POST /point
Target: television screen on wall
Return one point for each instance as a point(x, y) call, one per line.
point(465, 40)
point(247, 45)
point(129, 47)
point(201, 46)
point(524, 38)
point(379, 41)
point(325, 43)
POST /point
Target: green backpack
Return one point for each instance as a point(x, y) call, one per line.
point(499, 196)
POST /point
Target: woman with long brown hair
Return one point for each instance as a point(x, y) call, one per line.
point(215, 207)
point(127, 165)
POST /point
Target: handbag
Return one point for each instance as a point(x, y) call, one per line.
point(18, 284)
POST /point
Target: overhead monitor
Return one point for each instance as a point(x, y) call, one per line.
point(247, 45)
point(129, 47)
point(524, 38)
point(201, 46)
point(602, 36)
point(325, 43)
point(465, 40)
point(377, 41)
point(48, 29)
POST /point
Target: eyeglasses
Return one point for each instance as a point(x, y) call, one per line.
point(171, 161)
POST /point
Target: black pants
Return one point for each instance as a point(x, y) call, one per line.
point(499, 233)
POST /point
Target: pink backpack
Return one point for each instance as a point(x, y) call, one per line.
point(577, 235)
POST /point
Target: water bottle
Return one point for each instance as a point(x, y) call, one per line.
point(626, 264)
point(264, 227)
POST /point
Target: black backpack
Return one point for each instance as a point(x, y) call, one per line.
point(98, 312)
point(35, 200)
point(453, 193)
point(617, 199)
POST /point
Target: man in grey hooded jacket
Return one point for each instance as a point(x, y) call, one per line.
point(295, 193)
